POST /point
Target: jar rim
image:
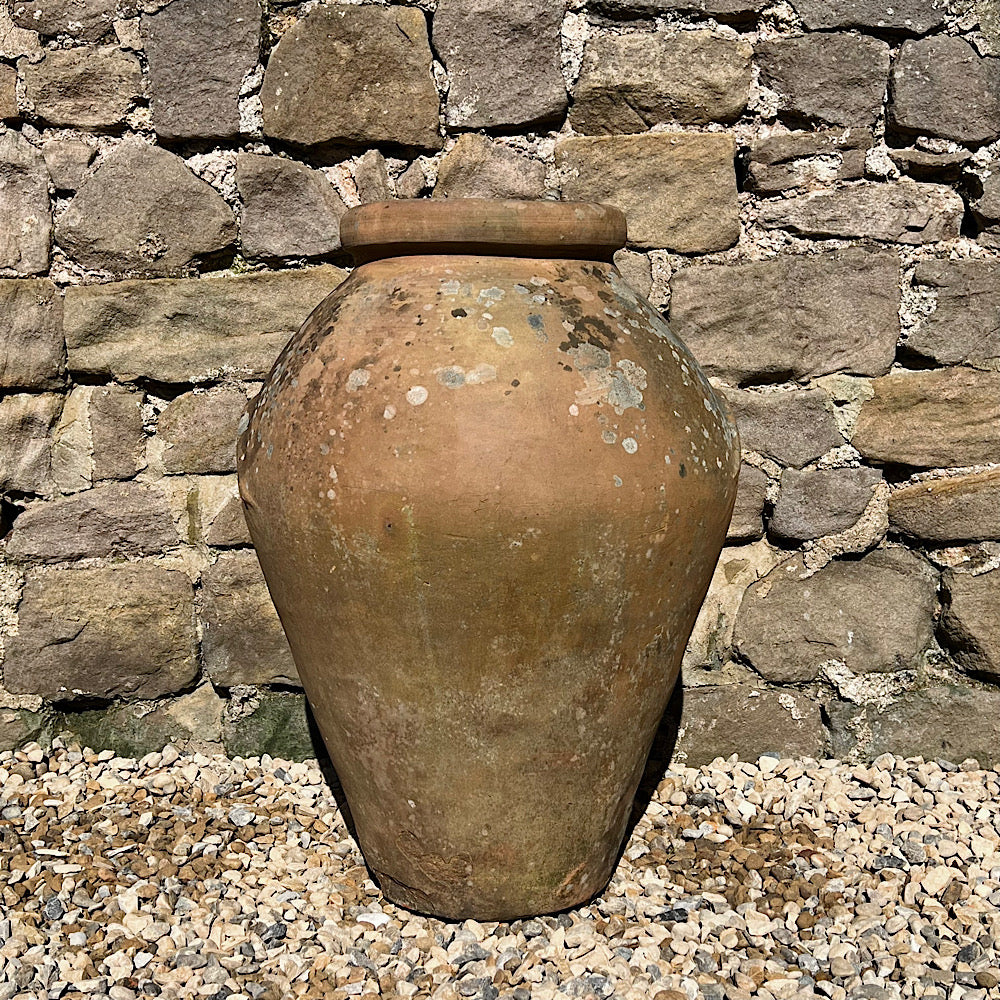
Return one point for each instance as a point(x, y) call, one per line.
point(554, 229)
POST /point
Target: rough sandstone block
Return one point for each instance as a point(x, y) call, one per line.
point(84, 20)
point(86, 88)
point(99, 436)
point(26, 423)
point(8, 93)
point(942, 87)
point(792, 427)
point(932, 419)
point(280, 725)
point(354, 75)
point(821, 501)
point(15, 41)
point(936, 722)
point(636, 269)
point(32, 350)
point(372, 178)
point(123, 631)
point(806, 159)
point(922, 165)
point(835, 78)
point(970, 622)
point(873, 614)
point(243, 642)
point(289, 210)
point(892, 17)
point(747, 523)
point(952, 509)
point(198, 55)
point(25, 215)
point(157, 227)
point(677, 190)
point(117, 519)
point(965, 324)
point(784, 722)
point(199, 431)
point(503, 61)
point(903, 211)
point(633, 81)
point(477, 167)
point(790, 317)
point(734, 11)
point(184, 330)
point(228, 528)
point(67, 161)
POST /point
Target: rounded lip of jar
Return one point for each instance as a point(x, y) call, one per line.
point(551, 229)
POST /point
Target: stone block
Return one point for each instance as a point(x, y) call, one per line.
point(677, 190)
point(839, 79)
point(821, 501)
point(630, 82)
point(941, 86)
point(747, 523)
point(198, 55)
point(727, 11)
point(748, 721)
point(189, 330)
point(890, 17)
point(158, 227)
point(15, 41)
point(986, 201)
point(26, 424)
point(124, 631)
point(242, 642)
point(636, 269)
point(67, 161)
point(353, 75)
point(477, 167)
point(903, 211)
point(99, 436)
point(8, 93)
point(936, 722)
point(807, 159)
point(873, 615)
point(289, 210)
point(922, 165)
point(83, 20)
point(25, 212)
point(32, 350)
point(227, 526)
point(970, 622)
point(113, 520)
point(792, 427)
point(964, 327)
point(372, 178)
point(280, 725)
point(932, 419)
point(503, 62)
point(84, 87)
point(199, 430)
point(790, 317)
point(19, 726)
point(710, 647)
point(190, 722)
point(948, 510)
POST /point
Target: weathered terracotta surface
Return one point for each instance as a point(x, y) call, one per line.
point(488, 494)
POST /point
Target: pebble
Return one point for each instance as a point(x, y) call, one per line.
point(183, 875)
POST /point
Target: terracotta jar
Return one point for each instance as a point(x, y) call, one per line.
point(488, 488)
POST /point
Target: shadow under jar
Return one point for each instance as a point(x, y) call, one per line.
point(488, 489)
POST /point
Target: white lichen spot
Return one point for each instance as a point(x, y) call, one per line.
point(630, 445)
point(333, 473)
point(503, 336)
point(574, 410)
point(609, 436)
point(618, 480)
point(416, 395)
point(490, 296)
point(357, 379)
point(389, 412)
point(666, 458)
point(330, 495)
point(451, 287)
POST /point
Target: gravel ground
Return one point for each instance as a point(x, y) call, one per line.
point(189, 876)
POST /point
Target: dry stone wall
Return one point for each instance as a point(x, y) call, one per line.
point(813, 195)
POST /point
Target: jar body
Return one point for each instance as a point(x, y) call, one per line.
point(488, 495)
